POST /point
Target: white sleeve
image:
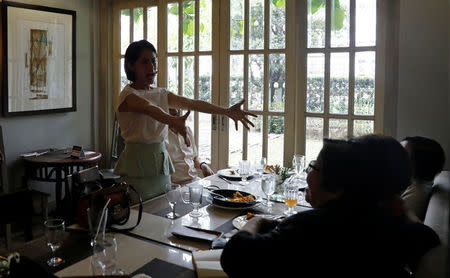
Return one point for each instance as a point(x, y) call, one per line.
point(125, 92)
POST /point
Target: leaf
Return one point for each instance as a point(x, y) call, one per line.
point(316, 5)
point(173, 9)
point(279, 3)
point(338, 19)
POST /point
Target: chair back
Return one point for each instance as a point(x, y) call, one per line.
point(117, 144)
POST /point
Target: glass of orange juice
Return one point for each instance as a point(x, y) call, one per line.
point(291, 195)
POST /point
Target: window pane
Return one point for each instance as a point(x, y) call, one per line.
point(277, 32)
point(236, 78)
point(124, 30)
point(172, 74)
point(123, 76)
point(277, 82)
point(256, 22)
point(339, 63)
point(138, 24)
point(366, 22)
point(188, 76)
point(315, 82)
point(364, 83)
point(236, 24)
point(316, 23)
point(275, 140)
point(362, 127)
point(172, 27)
point(205, 24)
point(338, 128)
point(255, 140)
point(204, 137)
point(255, 81)
point(188, 25)
point(235, 140)
point(340, 23)
point(314, 136)
point(152, 26)
point(204, 78)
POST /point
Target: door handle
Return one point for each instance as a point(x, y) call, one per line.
point(214, 122)
point(222, 123)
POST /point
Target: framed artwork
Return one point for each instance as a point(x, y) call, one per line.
point(39, 59)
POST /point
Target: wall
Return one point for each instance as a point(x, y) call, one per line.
point(60, 130)
point(423, 85)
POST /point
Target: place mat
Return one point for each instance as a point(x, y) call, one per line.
point(158, 268)
point(181, 208)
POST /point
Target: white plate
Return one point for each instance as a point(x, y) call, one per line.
point(231, 174)
point(209, 200)
point(240, 221)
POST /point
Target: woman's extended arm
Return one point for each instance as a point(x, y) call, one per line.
point(234, 112)
point(134, 103)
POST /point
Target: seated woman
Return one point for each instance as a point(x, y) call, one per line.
point(356, 229)
point(185, 158)
point(427, 160)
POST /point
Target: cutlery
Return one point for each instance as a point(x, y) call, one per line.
point(227, 181)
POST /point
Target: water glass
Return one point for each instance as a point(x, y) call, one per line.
point(173, 194)
point(97, 223)
point(260, 165)
point(192, 194)
point(104, 252)
point(291, 195)
point(298, 162)
point(244, 171)
point(54, 233)
point(268, 187)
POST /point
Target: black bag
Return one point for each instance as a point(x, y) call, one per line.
point(92, 191)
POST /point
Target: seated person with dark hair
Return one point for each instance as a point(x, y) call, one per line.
point(185, 158)
point(427, 160)
point(356, 229)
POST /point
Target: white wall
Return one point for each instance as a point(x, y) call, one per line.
point(25, 133)
point(423, 91)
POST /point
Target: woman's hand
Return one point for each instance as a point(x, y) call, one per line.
point(206, 170)
point(178, 124)
point(237, 114)
point(260, 225)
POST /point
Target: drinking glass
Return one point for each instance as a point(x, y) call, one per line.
point(260, 166)
point(172, 195)
point(97, 223)
point(104, 260)
point(290, 198)
point(54, 233)
point(299, 163)
point(244, 171)
point(192, 194)
point(268, 187)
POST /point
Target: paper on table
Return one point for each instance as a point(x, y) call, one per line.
point(207, 263)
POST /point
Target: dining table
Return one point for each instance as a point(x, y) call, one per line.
point(151, 248)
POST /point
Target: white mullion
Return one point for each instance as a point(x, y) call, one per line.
point(326, 87)
point(196, 67)
point(301, 16)
point(351, 81)
point(266, 78)
point(180, 48)
point(340, 49)
point(246, 43)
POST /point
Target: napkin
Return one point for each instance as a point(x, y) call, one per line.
point(195, 233)
point(207, 263)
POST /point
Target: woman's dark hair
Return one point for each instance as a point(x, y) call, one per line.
point(132, 54)
point(427, 157)
point(367, 167)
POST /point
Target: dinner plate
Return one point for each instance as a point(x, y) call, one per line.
point(209, 199)
point(232, 174)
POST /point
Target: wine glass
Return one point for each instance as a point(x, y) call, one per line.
point(290, 198)
point(192, 194)
point(54, 233)
point(268, 187)
point(244, 171)
point(173, 194)
point(298, 162)
point(260, 165)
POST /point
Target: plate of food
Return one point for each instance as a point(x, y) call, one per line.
point(240, 221)
point(232, 199)
point(232, 174)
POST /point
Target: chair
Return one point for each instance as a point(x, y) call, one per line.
point(15, 207)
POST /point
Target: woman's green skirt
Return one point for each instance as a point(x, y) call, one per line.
point(145, 166)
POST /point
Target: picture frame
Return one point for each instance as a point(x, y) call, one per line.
point(39, 62)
